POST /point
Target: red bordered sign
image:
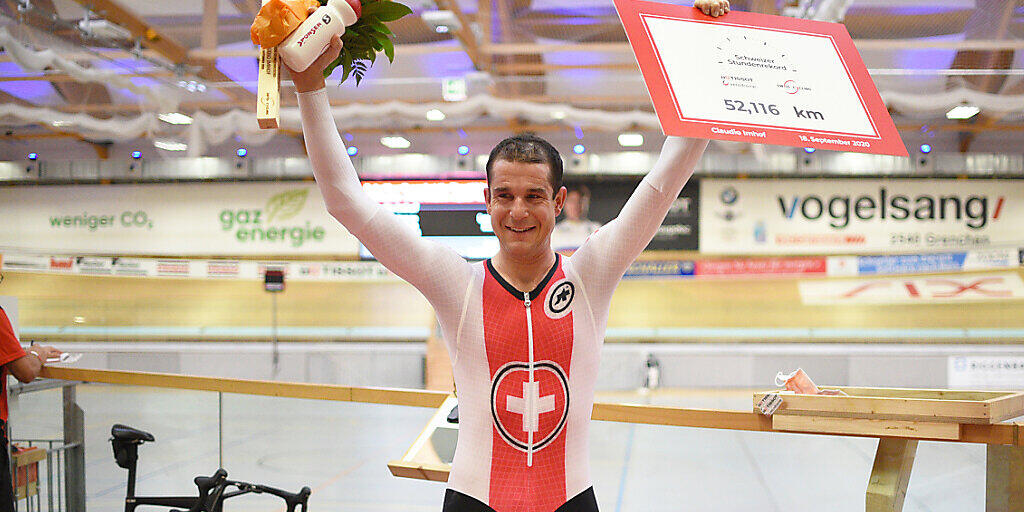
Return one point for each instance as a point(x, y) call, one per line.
point(757, 78)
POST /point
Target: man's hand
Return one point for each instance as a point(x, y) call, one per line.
point(312, 78)
point(27, 368)
point(713, 8)
point(44, 352)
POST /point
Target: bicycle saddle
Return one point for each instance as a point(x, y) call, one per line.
point(126, 433)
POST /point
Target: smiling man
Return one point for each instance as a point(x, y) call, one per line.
point(523, 329)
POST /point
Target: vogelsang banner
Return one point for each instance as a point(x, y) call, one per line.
point(855, 216)
point(172, 219)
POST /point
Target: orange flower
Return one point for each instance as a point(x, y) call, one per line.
point(277, 19)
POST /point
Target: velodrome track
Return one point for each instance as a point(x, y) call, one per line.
point(758, 309)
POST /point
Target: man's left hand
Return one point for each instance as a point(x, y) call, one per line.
point(713, 8)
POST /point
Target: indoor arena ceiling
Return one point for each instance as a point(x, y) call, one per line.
point(544, 52)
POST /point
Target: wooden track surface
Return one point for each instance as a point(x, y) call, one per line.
point(52, 300)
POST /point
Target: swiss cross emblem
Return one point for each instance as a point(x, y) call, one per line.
point(522, 410)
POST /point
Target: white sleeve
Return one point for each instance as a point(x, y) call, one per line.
point(438, 272)
point(607, 254)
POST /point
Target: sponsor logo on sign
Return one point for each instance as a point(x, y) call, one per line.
point(176, 268)
point(839, 211)
point(520, 408)
point(255, 225)
point(62, 264)
point(952, 288)
point(222, 268)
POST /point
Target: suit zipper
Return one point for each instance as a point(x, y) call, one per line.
point(531, 405)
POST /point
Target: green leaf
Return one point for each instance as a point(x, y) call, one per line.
point(286, 205)
point(389, 50)
point(391, 11)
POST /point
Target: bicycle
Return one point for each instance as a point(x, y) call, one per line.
point(213, 490)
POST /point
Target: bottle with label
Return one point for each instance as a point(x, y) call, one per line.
point(308, 42)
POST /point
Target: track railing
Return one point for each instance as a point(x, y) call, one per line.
point(886, 488)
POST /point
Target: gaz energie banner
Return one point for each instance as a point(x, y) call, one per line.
point(850, 216)
point(172, 219)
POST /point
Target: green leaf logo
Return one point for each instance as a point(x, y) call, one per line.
point(286, 205)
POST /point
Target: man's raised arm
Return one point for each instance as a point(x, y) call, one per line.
point(428, 266)
point(610, 251)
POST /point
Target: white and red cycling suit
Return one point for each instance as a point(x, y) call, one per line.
point(525, 363)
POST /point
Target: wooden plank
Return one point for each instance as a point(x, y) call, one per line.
point(418, 471)
point(864, 427)
point(268, 88)
point(919, 409)
point(704, 418)
point(1006, 407)
point(890, 474)
point(27, 457)
point(930, 394)
point(406, 397)
point(1004, 479)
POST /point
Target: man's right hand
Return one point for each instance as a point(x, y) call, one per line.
point(312, 78)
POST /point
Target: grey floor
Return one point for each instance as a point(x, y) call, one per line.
point(340, 450)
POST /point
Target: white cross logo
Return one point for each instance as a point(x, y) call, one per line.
point(531, 406)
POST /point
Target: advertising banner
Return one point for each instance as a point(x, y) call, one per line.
point(178, 219)
point(852, 216)
point(914, 290)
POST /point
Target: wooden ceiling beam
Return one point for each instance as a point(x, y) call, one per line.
point(166, 46)
point(465, 34)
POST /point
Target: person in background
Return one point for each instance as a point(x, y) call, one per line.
point(570, 233)
point(25, 366)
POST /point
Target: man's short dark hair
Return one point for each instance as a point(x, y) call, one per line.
point(530, 149)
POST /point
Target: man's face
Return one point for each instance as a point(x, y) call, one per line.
point(522, 206)
point(573, 205)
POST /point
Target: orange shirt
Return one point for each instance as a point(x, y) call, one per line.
point(10, 349)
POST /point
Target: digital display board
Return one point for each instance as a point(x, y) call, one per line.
point(451, 212)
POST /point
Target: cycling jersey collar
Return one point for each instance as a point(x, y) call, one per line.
point(512, 289)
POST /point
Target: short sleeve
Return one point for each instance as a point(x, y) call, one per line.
point(10, 349)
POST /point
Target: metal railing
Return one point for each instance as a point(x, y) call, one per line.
point(64, 463)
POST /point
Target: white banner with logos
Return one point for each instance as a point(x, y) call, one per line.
point(852, 216)
point(180, 219)
point(196, 269)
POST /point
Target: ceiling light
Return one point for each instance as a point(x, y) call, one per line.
point(33, 156)
point(61, 124)
point(242, 152)
point(442, 22)
point(136, 154)
point(395, 142)
point(579, 149)
point(558, 114)
point(809, 150)
point(353, 151)
point(463, 150)
point(962, 112)
point(926, 148)
point(175, 118)
point(631, 140)
point(442, 29)
point(166, 145)
point(435, 115)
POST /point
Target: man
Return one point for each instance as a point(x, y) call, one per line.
point(25, 367)
point(573, 230)
point(523, 329)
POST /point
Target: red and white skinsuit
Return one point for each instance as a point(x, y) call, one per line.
point(525, 363)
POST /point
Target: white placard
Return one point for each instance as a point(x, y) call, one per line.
point(741, 72)
point(914, 290)
point(986, 372)
point(178, 219)
point(784, 216)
